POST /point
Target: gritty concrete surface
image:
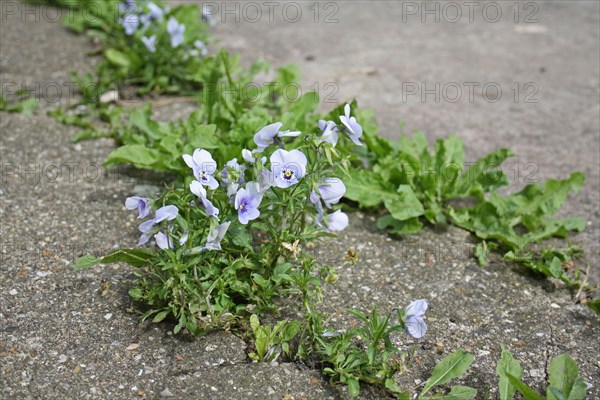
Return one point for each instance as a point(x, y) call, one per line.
point(69, 334)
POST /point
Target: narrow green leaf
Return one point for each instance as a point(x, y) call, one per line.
point(254, 323)
point(461, 393)
point(160, 316)
point(525, 390)
point(507, 365)
point(456, 393)
point(117, 58)
point(133, 257)
point(557, 394)
point(449, 368)
point(392, 386)
point(86, 261)
point(482, 253)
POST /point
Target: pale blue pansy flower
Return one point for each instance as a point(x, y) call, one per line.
point(201, 46)
point(265, 181)
point(183, 239)
point(337, 221)
point(215, 236)
point(248, 156)
point(127, 5)
point(197, 188)
point(155, 13)
point(323, 124)
point(200, 49)
point(288, 167)
point(130, 23)
point(413, 318)
point(233, 168)
point(353, 128)
point(266, 136)
point(163, 241)
point(247, 201)
point(334, 222)
point(166, 213)
point(331, 191)
point(130, 20)
point(141, 203)
point(330, 132)
point(149, 42)
point(176, 31)
point(316, 200)
point(203, 166)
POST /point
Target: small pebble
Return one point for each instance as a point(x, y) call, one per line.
point(107, 316)
point(13, 292)
point(166, 393)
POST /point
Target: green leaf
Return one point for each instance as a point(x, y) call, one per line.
point(305, 105)
point(133, 257)
point(160, 316)
point(556, 393)
point(136, 293)
point(594, 305)
point(254, 323)
point(353, 387)
point(392, 386)
point(416, 145)
point(405, 205)
point(393, 226)
point(288, 74)
point(507, 365)
point(141, 118)
point(449, 368)
point(522, 218)
point(117, 58)
point(484, 176)
point(564, 376)
point(171, 145)
point(290, 331)
point(203, 137)
point(525, 390)
point(89, 134)
point(461, 393)
point(365, 188)
point(456, 393)
point(25, 107)
point(134, 154)
point(86, 261)
point(482, 253)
